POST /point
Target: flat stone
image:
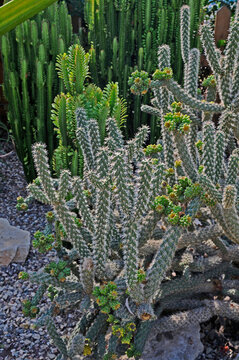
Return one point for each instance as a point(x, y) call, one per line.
point(14, 243)
point(183, 344)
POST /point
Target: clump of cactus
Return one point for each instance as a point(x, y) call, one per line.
point(124, 36)
point(30, 81)
point(73, 69)
point(148, 213)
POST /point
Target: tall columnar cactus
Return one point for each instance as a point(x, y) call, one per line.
point(138, 216)
point(30, 80)
point(73, 69)
point(125, 35)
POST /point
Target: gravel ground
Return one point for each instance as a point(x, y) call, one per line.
point(18, 340)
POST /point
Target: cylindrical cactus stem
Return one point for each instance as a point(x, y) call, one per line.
point(185, 32)
point(208, 154)
point(208, 42)
point(184, 154)
point(229, 211)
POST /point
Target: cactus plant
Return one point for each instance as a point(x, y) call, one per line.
point(98, 104)
point(30, 81)
point(125, 35)
point(151, 229)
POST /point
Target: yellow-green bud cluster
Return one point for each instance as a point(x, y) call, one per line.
point(176, 106)
point(107, 297)
point(23, 275)
point(209, 81)
point(141, 276)
point(153, 149)
point(139, 82)
point(28, 309)
point(126, 333)
point(50, 216)
point(166, 73)
point(21, 204)
point(58, 270)
point(52, 292)
point(44, 243)
point(176, 121)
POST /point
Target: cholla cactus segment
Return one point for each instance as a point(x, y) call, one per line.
point(162, 262)
point(64, 184)
point(209, 186)
point(191, 76)
point(115, 140)
point(220, 151)
point(144, 189)
point(51, 328)
point(233, 166)
point(181, 95)
point(94, 136)
point(229, 197)
point(76, 345)
point(163, 57)
point(87, 276)
point(38, 194)
point(185, 32)
point(102, 162)
point(72, 231)
point(183, 319)
point(82, 136)
point(102, 228)
point(83, 205)
point(187, 161)
point(207, 39)
point(130, 250)
point(120, 176)
point(43, 170)
point(208, 153)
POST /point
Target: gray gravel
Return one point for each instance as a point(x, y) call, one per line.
point(18, 339)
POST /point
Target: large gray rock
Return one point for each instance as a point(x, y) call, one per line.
point(14, 243)
point(184, 344)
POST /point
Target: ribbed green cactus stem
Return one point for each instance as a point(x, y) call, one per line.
point(43, 170)
point(191, 76)
point(185, 98)
point(102, 162)
point(185, 33)
point(230, 59)
point(130, 250)
point(120, 174)
point(144, 190)
point(208, 153)
point(183, 319)
point(64, 184)
point(100, 251)
point(94, 136)
point(83, 206)
point(163, 57)
point(184, 154)
point(82, 136)
point(198, 237)
point(38, 194)
point(115, 136)
point(220, 149)
point(142, 334)
point(232, 171)
point(57, 340)
point(209, 186)
point(72, 231)
point(229, 211)
point(162, 262)
point(98, 326)
point(208, 42)
point(76, 345)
